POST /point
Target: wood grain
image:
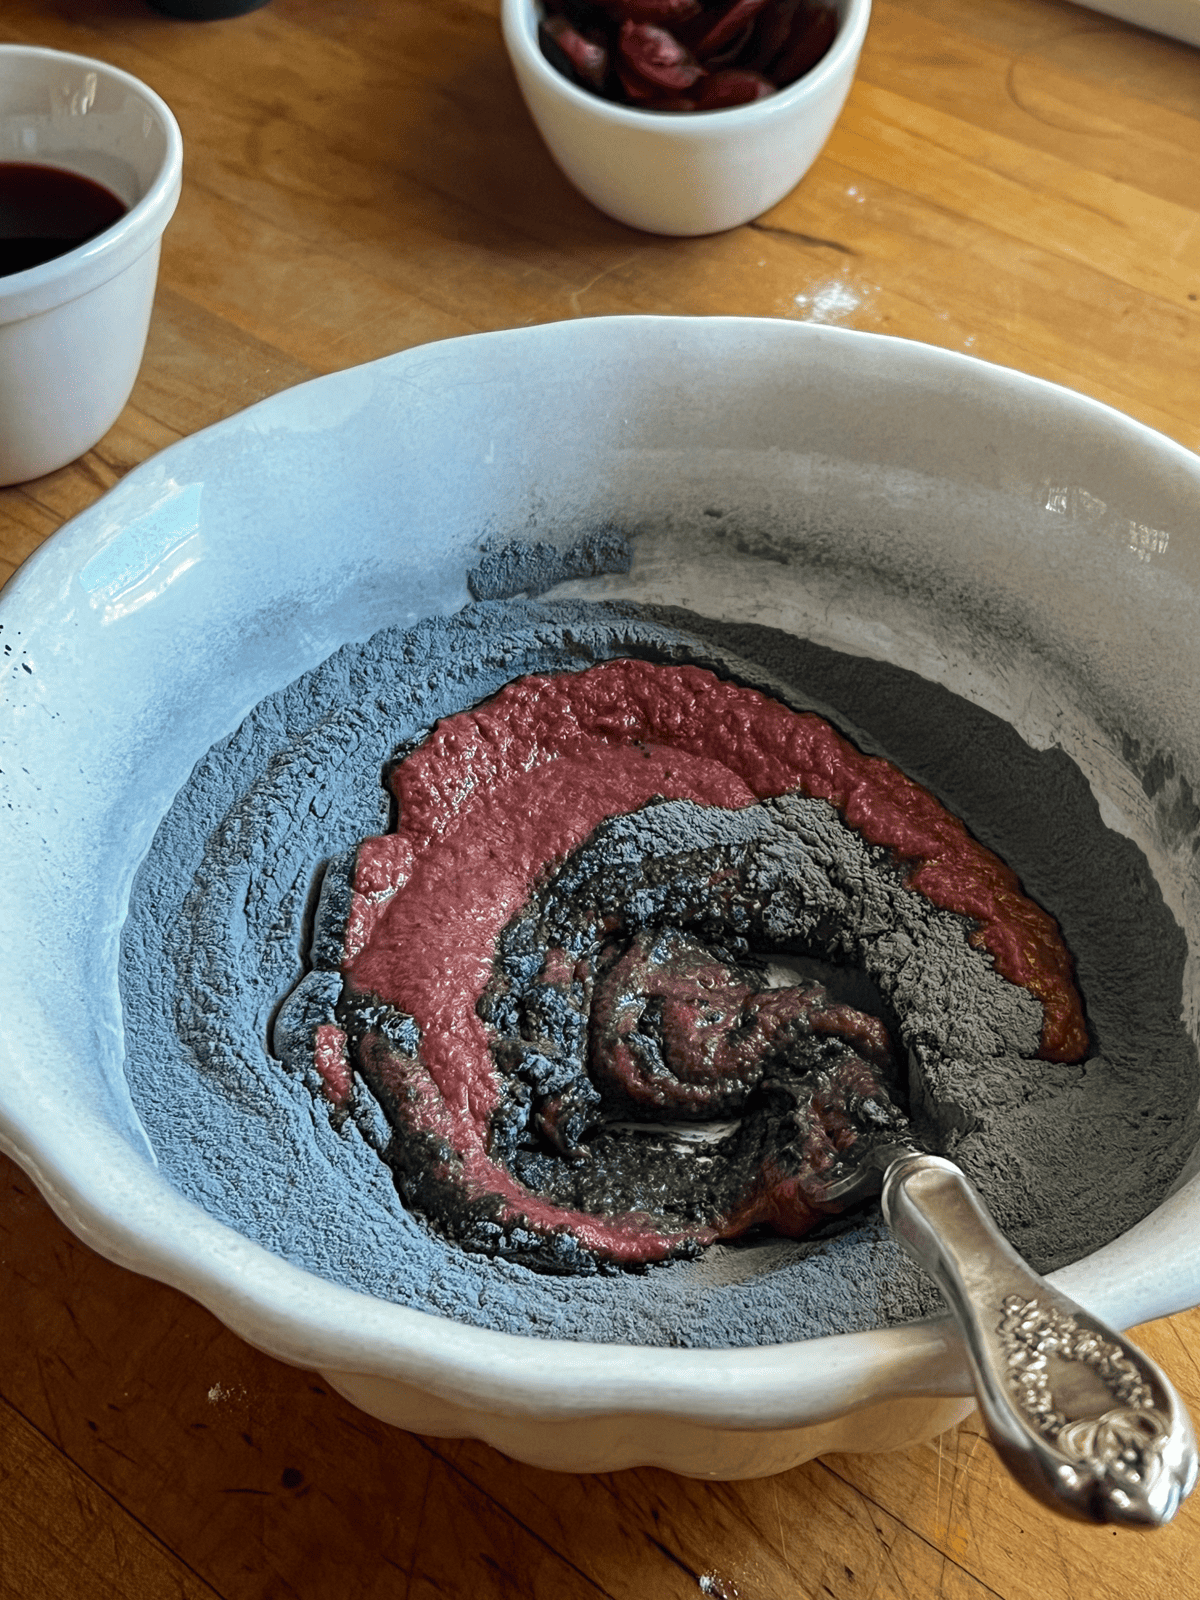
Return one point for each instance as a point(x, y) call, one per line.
point(1019, 180)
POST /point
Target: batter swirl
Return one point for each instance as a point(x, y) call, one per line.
point(571, 944)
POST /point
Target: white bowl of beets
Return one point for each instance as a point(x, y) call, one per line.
point(1018, 563)
point(684, 116)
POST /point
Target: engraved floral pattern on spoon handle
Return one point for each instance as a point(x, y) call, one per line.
point(1079, 1415)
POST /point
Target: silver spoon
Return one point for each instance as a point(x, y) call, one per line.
point(1079, 1415)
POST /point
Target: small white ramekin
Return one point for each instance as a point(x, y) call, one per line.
point(72, 331)
point(684, 173)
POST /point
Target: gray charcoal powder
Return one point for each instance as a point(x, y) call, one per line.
point(220, 932)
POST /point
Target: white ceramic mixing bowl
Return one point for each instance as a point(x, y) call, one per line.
point(684, 173)
point(1028, 548)
point(72, 330)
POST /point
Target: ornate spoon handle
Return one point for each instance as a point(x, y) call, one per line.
point(1078, 1414)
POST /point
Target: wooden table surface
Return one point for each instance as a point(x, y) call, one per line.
point(1015, 178)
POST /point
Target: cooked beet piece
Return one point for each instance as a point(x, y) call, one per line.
point(732, 54)
point(588, 61)
point(711, 38)
point(655, 58)
point(772, 29)
point(733, 86)
point(663, 13)
point(812, 33)
point(583, 15)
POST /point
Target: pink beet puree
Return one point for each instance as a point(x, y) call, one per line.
point(331, 1061)
point(498, 795)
